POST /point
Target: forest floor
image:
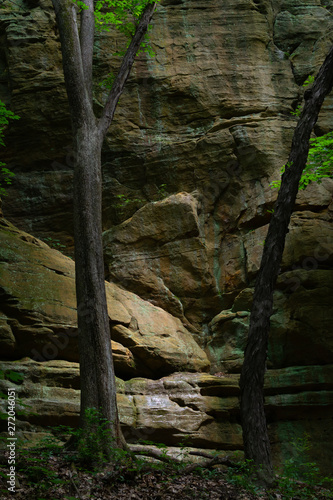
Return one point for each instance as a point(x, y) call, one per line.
point(44, 474)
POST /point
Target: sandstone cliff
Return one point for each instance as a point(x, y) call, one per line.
point(200, 132)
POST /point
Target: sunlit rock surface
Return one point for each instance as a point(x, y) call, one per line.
point(198, 410)
point(209, 115)
point(38, 317)
point(160, 253)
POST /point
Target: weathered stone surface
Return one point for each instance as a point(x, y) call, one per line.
point(201, 408)
point(295, 20)
point(301, 324)
point(180, 212)
point(159, 253)
point(39, 314)
point(209, 115)
point(7, 339)
point(226, 342)
point(308, 243)
point(206, 123)
point(162, 349)
point(301, 332)
point(169, 408)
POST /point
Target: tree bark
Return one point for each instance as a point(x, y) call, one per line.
point(87, 36)
point(255, 435)
point(77, 82)
point(97, 378)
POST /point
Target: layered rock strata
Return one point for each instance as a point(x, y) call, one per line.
point(198, 410)
point(201, 131)
point(38, 322)
point(209, 115)
point(38, 316)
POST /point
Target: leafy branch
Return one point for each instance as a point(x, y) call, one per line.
point(319, 163)
point(124, 16)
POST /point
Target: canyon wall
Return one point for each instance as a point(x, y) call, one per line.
point(202, 129)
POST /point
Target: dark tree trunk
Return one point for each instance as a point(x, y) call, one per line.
point(98, 389)
point(255, 435)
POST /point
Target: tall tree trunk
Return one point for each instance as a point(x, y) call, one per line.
point(98, 388)
point(255, 435)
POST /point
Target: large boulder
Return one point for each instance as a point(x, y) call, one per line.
point(38, 314)
point(160, 254)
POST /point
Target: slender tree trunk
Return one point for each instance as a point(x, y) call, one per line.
point(98, 388)
point(255, 435)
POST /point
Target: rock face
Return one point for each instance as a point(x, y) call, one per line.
point(160, 253)
point(38, 316)
point(201, 131)
point(200, 410)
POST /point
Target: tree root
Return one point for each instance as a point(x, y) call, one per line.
point(161, 454)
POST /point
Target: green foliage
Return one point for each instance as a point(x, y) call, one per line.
point(11, 375)
point(5, 115)
point(152, 443)
point(277, 184)
point(54, 243)
point(81, 5)
point(108, 81)
point(5, 174)
point(162, 190)
point(319, 163)
point(124, 16)
point(297, 111)
point(296, 467)
point(320, 160)
point(89, 444)
point(50, 445)
point(20, 407)
point(244, 476)
point(300, 477)
point(36, 469)
point(299, 469)
point(309, 81)
point(15, 377)
point(124, 200)
point(90, 441)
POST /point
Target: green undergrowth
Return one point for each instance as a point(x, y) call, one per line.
point(299, 479)
point(51, 467)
